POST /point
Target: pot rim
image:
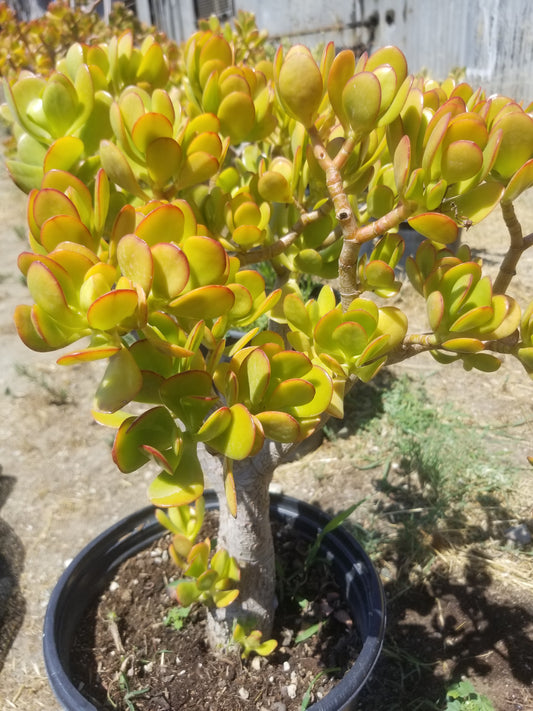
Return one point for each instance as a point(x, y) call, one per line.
point(79, 585)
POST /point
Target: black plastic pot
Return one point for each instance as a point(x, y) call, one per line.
point(90, 572)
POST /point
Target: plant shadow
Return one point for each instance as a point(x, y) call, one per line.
point(450, 612)
point(445, 631)
point(12, 602)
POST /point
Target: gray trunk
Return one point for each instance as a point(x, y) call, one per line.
point(248, 538)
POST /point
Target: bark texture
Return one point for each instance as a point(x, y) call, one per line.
point(248, 538)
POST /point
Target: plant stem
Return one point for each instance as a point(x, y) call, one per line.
point(518, 245)
point(353, 235)
point(261, 254)
point(248, 538)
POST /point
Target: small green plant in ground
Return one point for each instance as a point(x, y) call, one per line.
point(463, 697)
point(251, 642)
point(436, 449)
point(177, 616)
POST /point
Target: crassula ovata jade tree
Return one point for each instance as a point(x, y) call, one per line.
point(154, 204)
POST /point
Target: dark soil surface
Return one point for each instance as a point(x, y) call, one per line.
point(466, 611)
point(124, 651)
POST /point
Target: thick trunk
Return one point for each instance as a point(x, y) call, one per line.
point(248, 538)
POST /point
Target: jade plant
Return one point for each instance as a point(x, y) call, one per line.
point(172, 222)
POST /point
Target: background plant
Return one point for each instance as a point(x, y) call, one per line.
point(152, 204)
point(36, 45)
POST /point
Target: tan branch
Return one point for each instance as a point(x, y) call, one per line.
point(518, 244)
point(388, 222)
point(262, 254)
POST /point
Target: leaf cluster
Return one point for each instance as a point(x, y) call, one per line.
point(209, 579)
point(155, 193)
point(36, 45)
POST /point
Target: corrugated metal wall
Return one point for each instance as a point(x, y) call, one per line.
point(491, 39)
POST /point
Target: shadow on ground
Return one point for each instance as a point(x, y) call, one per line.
point(441, 633)
point(12, 602)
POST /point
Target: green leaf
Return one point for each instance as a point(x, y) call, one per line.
point(435, 226)
point(299, 84)
point(206, 302)
point(237, 440)
point(121, 382)
point(330, 526)
point(109, 310)
point(361, 100)
point(135, 261)
point(309, 632)
point(182, 487)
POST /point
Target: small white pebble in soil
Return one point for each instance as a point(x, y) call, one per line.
point(148, 667)
point(114, 586)
point(244, 693)
point(286, 666)
point(291, 691)
point(256, 663)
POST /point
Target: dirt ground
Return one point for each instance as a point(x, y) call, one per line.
point(59, 488)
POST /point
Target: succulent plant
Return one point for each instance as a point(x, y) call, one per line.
point(154, 206)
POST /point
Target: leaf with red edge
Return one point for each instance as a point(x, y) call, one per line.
point(279, 426)
point(435, 310)
point(27, 331)
point(88, 354)
point(163, 224)
point(236, 113)
point(322, 383)
point(206, 302)
point(208, 261)
point(215, 424)
point(63, 154)
point(158, 458)
point(50, 203)
point(435, 226)
point(163, 159)
point(155, 428)
point(148, 128)
point(135, 261)
point(56, 229)
point(48, 292)
point(109, 310)
point(171, 271)
point(229, 487)
point(197, 168)
point(402, 163)
point(521, 181)
point(101, 200)
point(361, 99)
point(184, 486)
point(237, 440)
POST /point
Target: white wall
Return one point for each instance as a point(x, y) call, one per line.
point(491, 39)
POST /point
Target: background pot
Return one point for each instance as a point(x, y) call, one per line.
point(91, 570)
